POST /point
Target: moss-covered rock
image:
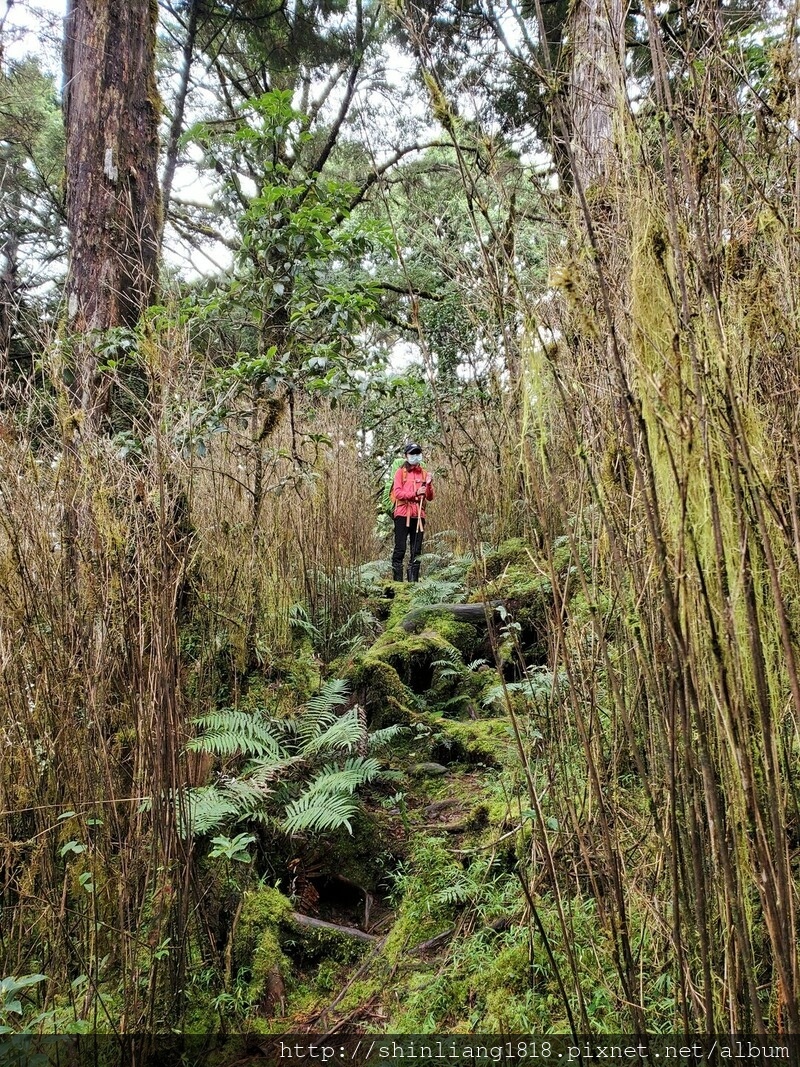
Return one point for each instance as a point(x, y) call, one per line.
point(401, 604)
point(263, 909)
point(527, 598)
point(469, 639)
point(380, 691)
point(514, 552)
point(413, 656)
point(257, 948)
point(487, 742)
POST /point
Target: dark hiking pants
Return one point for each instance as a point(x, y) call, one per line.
point(402, 534)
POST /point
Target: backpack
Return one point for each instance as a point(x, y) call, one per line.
point(387, 496)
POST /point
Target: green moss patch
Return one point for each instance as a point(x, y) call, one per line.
point(380, 691)
point(486, 742)
point(514, 552)
point(470, 640)
point(263, 910)
point(413, 657)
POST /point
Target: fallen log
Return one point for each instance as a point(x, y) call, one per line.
point(472, 613)
point(332, 928)
point(497, 925)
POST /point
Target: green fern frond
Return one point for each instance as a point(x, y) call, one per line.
point(355, 625)
point(434, 591)
point(264, 773)
point(284, 757)
point(299, 620)
point(451, 654)
point(372, 573)
point(320, 710)
point(454, 894)
point(356, 771)
point(379, 738)
point(536, 685)
point(343, 733)
point(314, 812)
point(207, 808)
point(460, 700)
point(447, 668)
point(333, 693)
point(228, 732)
point(251, 803)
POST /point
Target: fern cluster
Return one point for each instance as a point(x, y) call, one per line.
point(436, 590)
point(297, 775)
point(329, 635)
point(537, 686)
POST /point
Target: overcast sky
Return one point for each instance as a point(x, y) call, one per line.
point(33, 28)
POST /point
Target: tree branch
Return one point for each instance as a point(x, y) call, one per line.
point(358, 56)
point(391, 162)
point(176, 126)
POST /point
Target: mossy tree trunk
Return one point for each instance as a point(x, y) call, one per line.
point(111, 111)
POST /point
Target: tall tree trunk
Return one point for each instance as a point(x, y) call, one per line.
point(9, 273)
point(596, 86)
point(111, 110)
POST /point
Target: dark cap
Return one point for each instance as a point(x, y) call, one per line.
point(411, 446)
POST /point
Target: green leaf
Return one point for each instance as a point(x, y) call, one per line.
point(227, 732)
point(71, 846)
point(315, 812)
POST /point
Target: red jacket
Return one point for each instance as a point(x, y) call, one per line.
point(407, 483)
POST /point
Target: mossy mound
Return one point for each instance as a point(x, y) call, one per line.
point(257, 947)
point(380, 691)
point(516, 552)
point(466, 637)
point(426, 663)
point(528, 601)
point(401, 668)
point(401, 603)
point(518, 584)
point(482, 742)
point(263, 909)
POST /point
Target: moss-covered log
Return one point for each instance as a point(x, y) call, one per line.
point(331, 928)
point(475, 614)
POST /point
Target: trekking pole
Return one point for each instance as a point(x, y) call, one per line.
point(420, 515)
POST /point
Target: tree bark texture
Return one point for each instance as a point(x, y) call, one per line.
point(9, 274)
point(597, 85)
point(111, 108)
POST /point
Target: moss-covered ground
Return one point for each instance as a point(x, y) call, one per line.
point(432, 871)
point(443, 905)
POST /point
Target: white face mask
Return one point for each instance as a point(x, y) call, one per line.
point(414, 460)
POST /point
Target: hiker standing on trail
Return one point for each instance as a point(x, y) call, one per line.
point(412, 486)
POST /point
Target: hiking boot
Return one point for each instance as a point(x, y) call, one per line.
point(413, 573)
point(397, 574)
